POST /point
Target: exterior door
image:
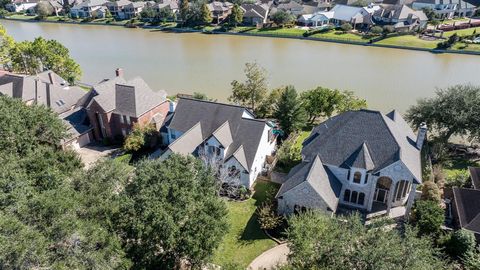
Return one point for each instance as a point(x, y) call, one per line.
point(381, 195)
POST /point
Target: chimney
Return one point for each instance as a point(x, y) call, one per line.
point(421, 135)
point(119, 72)
point(47, 90)
point(50, 76)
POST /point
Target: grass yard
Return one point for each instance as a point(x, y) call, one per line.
point(301, 137)
point(21, 17)
point(466, 47)
point(462, 32)
point(245, 240)
point(409, 41)
point(339, 35)
point(291, 32)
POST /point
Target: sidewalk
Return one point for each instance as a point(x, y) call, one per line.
point(271, 258)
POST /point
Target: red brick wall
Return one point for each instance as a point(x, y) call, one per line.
point(161, 109)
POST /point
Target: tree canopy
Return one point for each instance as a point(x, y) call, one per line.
point(32, 57)
point(289, 111)
point(318, 241)
point(453, 111)
point(253, 90)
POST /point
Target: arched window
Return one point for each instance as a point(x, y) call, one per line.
point(401, 189)
point(357, 177)
point(361, 198)
point(354, 197)
point(346, 195)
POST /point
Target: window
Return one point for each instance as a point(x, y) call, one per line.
point(121, 118)
point(346, 195)
point(361, 198)
point(354, 197)
point(366, 178)
point(233, 171)
point(124, 132)
point(214, 150)
point(126, 119)
point(357, 177)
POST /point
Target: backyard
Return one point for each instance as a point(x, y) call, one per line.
point(245, 240)
point(408, 41)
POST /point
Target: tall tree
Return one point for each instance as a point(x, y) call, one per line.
point(184, 11)
point(236, 17)
point(172, 213)
point(289, 111)
point(44, 9)
point(318, 241)
point(6, 44)
point(453, 111)
point(253, 91)
point(205, 16)
point(350, 102)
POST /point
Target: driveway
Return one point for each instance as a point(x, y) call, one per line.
point(93, 152)
point(271, 258)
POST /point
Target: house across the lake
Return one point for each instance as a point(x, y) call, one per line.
point(225, 132)
point(359, 159)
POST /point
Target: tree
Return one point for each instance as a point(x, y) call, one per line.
point(320, 102)
point(346, 27)
point(289, 111)
point(44, 9)
point(266, 107)
point(281, 18)
point(252, 92)
point(428, 216)
point(6, 45)
point(267, 217)
point(147, 13)
point(431, 192)
point(34, 57)
point(376, 30)
point(201, 96)
point(108, 14)
point(350, 102)
point(450, 112)
point(184, 11)
point(318, 241)
point(142, 136)
point(164, 14)
point(171, 213)
point(461, 244)
point(205, 17)
point(387, 29)
point(236, 17)
point(289, 154)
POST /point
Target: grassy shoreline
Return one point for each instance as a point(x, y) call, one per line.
point(406, 42)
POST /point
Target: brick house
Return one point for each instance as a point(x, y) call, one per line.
point(117, 104)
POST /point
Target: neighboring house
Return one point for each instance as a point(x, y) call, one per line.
point(20, 5)
point(225, 132)
point(255, 14)
point(359, 159)
point(89, 9)
point(117, 8)
point(466, 205)
point(220, 10)
point(117, 104)
point(55, 6)
point(448, 9)
point(401, 17)
point(340, 14)
point(292, 7)
point(319, 19)
point(172, 5)
point(133, 9)
point(50, 90)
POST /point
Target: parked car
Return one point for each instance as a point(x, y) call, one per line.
point(477, 40)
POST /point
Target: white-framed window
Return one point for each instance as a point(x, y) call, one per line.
point(121, 118)
point(357, 177)
point(126, 119)
point(354, 197)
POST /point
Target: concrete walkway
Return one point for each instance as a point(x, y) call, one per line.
point(271, 258)
point(93, 152)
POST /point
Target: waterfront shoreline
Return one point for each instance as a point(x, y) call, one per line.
point(190, 30)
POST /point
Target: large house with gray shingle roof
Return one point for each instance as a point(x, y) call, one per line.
point(117, 104)
point(359, 159)
point(224, 131)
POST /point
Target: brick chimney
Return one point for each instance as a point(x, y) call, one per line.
point(119, 72)
point(421, 135)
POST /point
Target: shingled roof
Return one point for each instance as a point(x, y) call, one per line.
point(467, 203)
point(133, 97)
point(320, 178)
point(226, 122)
point(475, 176)
point(379, 140)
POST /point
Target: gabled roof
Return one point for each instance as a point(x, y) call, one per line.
point(226, 122)
point(90, 3)
point(388, 139)
point(467, 203)
point(320, 178)
point(475, 176)
point(360, 159)
point(133, 97)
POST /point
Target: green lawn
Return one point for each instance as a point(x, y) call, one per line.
point(409, 41)
point(456, 166)
point(462, 32)
point(21, 17)
point(245, 240)
point(291, 32)
point(301, 137)
point(339, 35)
point(466, 47)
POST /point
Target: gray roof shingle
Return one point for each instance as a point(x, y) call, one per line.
point(467, 202)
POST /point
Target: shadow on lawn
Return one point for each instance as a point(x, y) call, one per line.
point(252, 232)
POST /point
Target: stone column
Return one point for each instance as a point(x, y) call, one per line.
point(411, 199)
point(372, 193)
point(391, 192)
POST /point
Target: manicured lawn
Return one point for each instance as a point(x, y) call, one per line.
point(462, 32)
point(245, 240)
point(409, 41)
point(339, 35)
point(292, 32)
point(301, 137)
point(21, 17)
point(464, 47)
point(456, 166)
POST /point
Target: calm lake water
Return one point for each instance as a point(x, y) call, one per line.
point(188, 62)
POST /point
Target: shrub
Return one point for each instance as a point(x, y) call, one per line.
point(346, 27)
point(289, 154)
point(267, 217)
point(387, 29)
point(428, 216)
point(471, 260)
point(141, 137)
point(377, 30)
point(458, 179)
point(461, 243)
point(448, 43)
point(431, 192)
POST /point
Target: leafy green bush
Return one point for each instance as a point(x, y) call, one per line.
point(267, 217)
point(428, 216)
point(318, 31)
point(289, 154)
point(461, 243)
point(431, 192)
point(377, 30)
point(141, 137)
point(346, 27)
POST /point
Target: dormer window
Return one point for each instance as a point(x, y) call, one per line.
point(357, 177)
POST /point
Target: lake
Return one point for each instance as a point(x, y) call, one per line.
point(188, 62)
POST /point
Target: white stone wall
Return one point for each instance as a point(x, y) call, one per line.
point(264, 149)
point(301, 195)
